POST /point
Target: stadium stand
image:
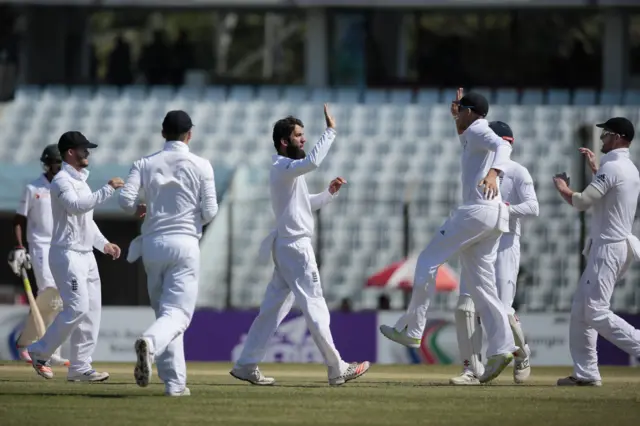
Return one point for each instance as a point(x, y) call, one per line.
point(392, 146)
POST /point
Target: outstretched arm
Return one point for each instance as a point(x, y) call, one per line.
point(63, 190)
point(128, 197)
point(527, 193)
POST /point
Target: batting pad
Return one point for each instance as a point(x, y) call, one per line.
point(469, 335)
point(518, 337)
point(49, 304)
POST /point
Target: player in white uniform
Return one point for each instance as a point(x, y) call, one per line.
point(610, 249)
point(295, 277)
point(180, 198)
point(473, 232)
point(73, 264)
point(34, 214)
point(519, 194)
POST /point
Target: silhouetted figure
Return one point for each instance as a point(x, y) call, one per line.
point(119, 65)
point(183, 58)
point(155, 60)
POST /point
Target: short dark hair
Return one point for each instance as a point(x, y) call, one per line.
point(175, 136)
point(283, 128)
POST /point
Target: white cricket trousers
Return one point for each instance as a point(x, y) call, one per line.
point(472, 232)
point(172, 264)
point(590, 311)
point(507, 266)
point(78, 281)
point(295, 277)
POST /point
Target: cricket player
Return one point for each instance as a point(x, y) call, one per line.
point(610, 249)
point(34, 214)
point(180, 197)
point(518, 192)
point(295, 276)
point(473, 232)
point(73, 264)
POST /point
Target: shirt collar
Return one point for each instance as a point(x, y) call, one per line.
point(175, 146)
point(614, 155)
point(81, 174)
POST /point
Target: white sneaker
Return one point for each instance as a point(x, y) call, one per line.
point(495, 365)
point(91, 376)
point(572, 381)
point(42, 367)
point(252, 375)
point(355, 370)
point(399, 336)
point(466, 378)
point(142, 371)
point(185, 392)
point(58, 361)
point(521, 370)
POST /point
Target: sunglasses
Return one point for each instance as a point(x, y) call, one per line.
point(606, 133)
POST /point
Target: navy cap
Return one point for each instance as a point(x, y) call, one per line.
point(475, 102)
point(176, 122)
point(619, 125)
point(74, 140)
point(502, 129)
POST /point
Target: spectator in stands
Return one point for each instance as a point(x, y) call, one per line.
point(154, 61)
point(183, 58)
point(119, 65)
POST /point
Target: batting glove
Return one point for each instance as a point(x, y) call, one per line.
point(18, 259)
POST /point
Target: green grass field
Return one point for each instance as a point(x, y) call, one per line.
point(387, 395)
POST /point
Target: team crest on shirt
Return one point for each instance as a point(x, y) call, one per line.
point(601, 177)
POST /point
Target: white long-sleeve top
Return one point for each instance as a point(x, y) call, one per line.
point(483, 150)
point(618, 180)
point(72, 204)
point(179, 191)
point(290, 199)
point(516, 187)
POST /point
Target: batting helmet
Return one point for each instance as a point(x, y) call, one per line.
point(51, 155)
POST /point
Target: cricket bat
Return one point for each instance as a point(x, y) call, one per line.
point(40, 328)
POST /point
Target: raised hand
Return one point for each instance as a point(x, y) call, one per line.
point(336, 184)
point(591, 158)
point(331, 123)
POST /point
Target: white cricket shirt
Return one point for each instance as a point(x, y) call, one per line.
point(179, 191)
point(35, 205)
point(516, 186)
point(72, 204)
point(290, 199)
point(483, 150)
point(618, 181)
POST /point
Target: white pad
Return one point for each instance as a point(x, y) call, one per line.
point(518, 336)
point(469, 335)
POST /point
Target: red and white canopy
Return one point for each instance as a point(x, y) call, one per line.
point(400, 275)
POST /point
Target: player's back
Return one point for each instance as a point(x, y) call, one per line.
point(614, 214)
point(172, 181)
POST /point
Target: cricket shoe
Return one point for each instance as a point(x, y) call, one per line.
point(399, 336)
point(42, 367)
point(252, 375)
point(184, 392)
point(466, 378)
point(495, 365)
point(572, 381)
point(142, 371)
point(58, 361)
point(23, 354)
point(521, 370)
point(91, 376)
point(353, 371)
